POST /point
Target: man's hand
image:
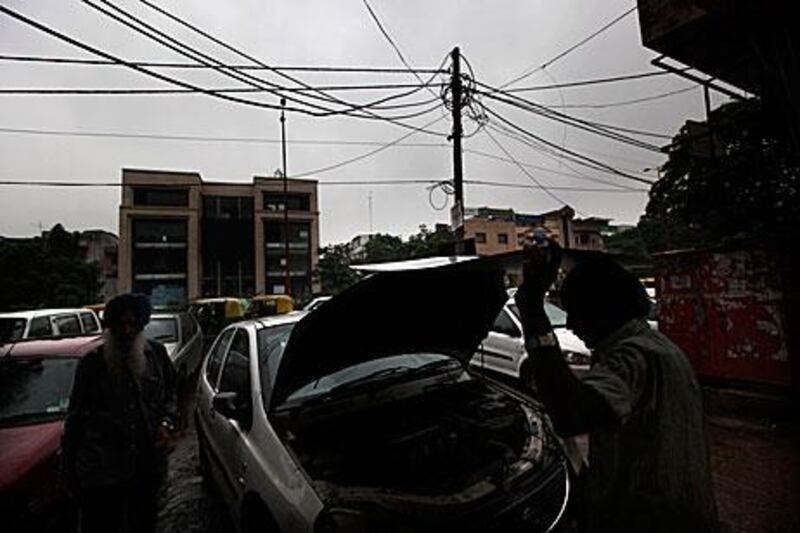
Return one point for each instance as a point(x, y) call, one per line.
point(165, 438)
point(539, 271)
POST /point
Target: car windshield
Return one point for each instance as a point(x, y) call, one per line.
point(11, 329)
point(35, 390)
point(557, 316)
point(373, 372)
point(272, 341)
point(163, 329)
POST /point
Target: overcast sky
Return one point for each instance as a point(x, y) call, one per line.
point(501, 39)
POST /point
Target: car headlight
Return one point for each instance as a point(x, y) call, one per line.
point(537, 434)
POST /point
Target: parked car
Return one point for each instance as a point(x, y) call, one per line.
point(181, 336)
point(213, 314)
point(35, 384)
point(316, 302)
point(503, 349)
point(363, 415)
point(47, 323)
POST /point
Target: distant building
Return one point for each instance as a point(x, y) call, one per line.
point(491, 235)
point(590, 233)
point(357, 247)
point(101, 247)
point(182, 238)
point(502, 230)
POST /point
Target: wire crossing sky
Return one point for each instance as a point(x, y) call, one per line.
point(88, 88)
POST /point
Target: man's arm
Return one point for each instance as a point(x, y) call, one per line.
point(574, 407)
point(74, 423)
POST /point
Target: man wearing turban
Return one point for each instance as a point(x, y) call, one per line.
point(120, 424)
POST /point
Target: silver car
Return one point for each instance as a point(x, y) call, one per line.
point(364, 416)
point(181, 336)
point(503, 349)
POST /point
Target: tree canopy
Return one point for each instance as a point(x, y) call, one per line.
point(46, 271)
point(334, 263)
point(733, 178)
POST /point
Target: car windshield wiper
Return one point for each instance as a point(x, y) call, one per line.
point(397, 371)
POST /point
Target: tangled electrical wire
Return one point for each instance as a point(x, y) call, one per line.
point(447, 187)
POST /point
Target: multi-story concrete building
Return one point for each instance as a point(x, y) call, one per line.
point(502, 230)
point(183, 238)
point(491, 235)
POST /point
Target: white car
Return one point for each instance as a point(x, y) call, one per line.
point(316, 302)
point(181, 336)
point(503, 349)
point(363, 415)
point(44, 323)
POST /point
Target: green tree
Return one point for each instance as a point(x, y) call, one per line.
point(334, 269)
point(383, 247)
point(47, 271)
point(429, 243)
point(741, 183)
point(629, 249)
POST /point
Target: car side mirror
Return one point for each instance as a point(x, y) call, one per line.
point(232, 405)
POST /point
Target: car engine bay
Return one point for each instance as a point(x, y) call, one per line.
point(438, 442)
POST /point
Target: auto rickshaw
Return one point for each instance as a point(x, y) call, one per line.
point(97, 308)
point(270, 304)
point(213, 314)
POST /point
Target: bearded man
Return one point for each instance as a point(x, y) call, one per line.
point(121, 423)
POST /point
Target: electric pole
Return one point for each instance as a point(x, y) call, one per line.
point(287, 285)
point(457, 213)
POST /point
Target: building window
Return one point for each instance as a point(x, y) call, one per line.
point(228, 207)
point(296, 202)
point(299, 260)
point(159, 260)
point(480, 238)
point(502, 238)
point(160, 196)
point(227, 246)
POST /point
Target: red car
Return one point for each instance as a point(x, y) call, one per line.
point(35, 384)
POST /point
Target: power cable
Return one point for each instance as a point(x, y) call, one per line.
point(392, 43)
point(172, 81)
point(595, 128)
point(332, 183)
point(533, 68)
point(217, 89)
point(623, 103)
point(599, 128)
point(148, 30)
point(576, 175)
point(589, 82)
point(197, 138)
point(554, 154)
point(524, 170)
point(195, 66)
point(256, 61)
point(365, 155)
point(568, 151)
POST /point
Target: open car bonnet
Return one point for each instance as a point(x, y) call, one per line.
point(439, 307)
